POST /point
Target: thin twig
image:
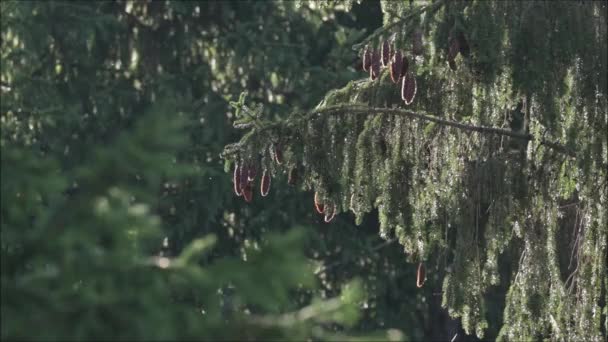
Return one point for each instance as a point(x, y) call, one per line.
point(521, 260)
point(254, 119)
point(575, 250)
point(571, 280)
point(577, 232)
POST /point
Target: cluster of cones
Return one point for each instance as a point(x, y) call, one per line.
point(397, 63)
point(244, 177)
point(328, 210)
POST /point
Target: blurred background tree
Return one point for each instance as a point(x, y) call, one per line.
point(113, 118)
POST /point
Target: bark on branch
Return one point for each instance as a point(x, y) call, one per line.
point(360, 109)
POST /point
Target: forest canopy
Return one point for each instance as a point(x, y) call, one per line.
point(304, 170)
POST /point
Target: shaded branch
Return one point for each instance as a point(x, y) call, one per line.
point(434, 6)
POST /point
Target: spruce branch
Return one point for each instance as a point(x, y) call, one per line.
point(360, 109)
point(253, 115)
point(365, 110)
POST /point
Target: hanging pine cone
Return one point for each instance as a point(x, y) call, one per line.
point(318, 205)
point(236, 179)
point(454, 48)
point(292, 178)
point(453, 51)
point(277, 154)
point(464, 45)
point(405, 65)
point(396, 66)
point(265, 184)
point(248, 192)
point(330, 215)
point(243, 172)
point(452, 64)
point(420, 275)
point(417, 48)
point(408, 88)
point(386, 53)
point(367, 58)
point(374, 69)
point(251, 173)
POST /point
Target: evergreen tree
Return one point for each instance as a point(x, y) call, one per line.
point(82, 265)
point(113, 118)
point(483, 148)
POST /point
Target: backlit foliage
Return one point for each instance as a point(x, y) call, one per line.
point(501, 159)
point(115, 219)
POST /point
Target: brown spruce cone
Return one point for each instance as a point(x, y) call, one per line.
point(277, 154)
point(251, 173)
point(464, 45)
point(453, 51)
point(318, 205)
point(236, 179)
point(367, 59)
point(248, 192)
point(396, 66)
point(330, 215)
point(374, 69)
point(408, 88)
point(452, 64)
point(243, 172)
point(292, 178)
point(404, 66)
point(454, 48)
point(385, 53)
point(265, 184)
point(420, 275)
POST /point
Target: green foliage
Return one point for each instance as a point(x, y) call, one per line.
point(486, 182)
point(116, 214)
point(94, 265)
point(113, 116)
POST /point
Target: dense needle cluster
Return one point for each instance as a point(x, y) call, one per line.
point(447, 183)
